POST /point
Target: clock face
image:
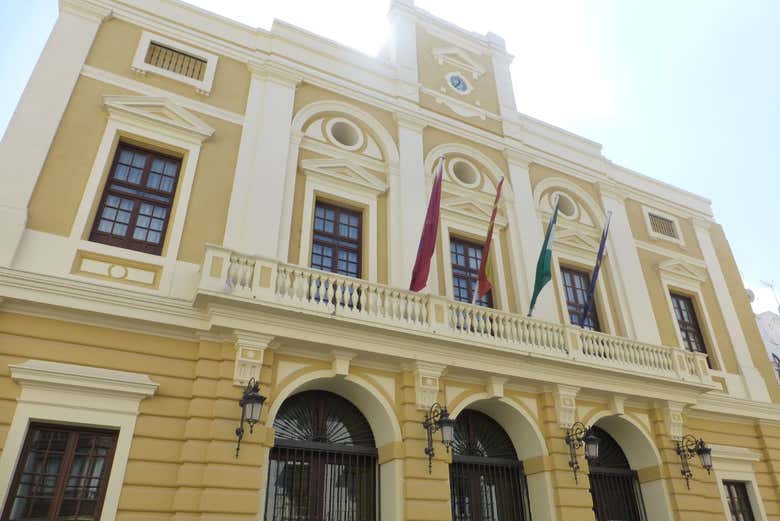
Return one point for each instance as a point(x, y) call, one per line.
point(458, 83)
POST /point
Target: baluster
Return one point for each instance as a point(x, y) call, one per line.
point(364, 299)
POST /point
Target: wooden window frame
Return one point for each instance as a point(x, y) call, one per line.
point(594, 324)
point(333, 239)
point(741, 494)
point(466, 272)
point(65, 468)
point(128, 242)
point(693, 327)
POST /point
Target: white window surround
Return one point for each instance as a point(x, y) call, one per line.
point(692, 288)
point(646, 212)
point(127, 118)
point(76, 395)
point(601, 296)
point(201, 86)
point(448, 228)
point(736, 464)
point(333, 190)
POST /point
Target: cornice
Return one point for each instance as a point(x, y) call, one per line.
point(722, 404)
point(270, 70)
point(87, 9)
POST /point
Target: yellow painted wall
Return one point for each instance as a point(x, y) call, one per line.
point(636, 219)
point(115, 45)
point(433, 76)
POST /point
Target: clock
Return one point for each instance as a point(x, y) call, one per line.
point(458, 83)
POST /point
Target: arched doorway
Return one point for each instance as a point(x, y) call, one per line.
point(487, 482)
point(613, 484)
point(323, 466)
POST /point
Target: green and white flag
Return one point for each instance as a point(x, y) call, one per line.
point(544, 264)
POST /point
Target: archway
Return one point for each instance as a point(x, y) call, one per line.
point(378, 413)
point(640, 453)
point(527, 442)
point(323, 465)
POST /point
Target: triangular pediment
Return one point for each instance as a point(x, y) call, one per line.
point(469, 207)
point(345, 171)
point(157, 111)
point(575, 239)
point(458, 58)
point(684, 269)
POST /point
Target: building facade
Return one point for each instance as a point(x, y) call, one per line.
point(769, 327)
point(189, 203)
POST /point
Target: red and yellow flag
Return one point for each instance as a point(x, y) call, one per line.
point(486, 267)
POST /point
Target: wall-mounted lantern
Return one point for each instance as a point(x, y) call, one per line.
point(438, 419)
point(251, 407)
point(688, 447)
point(579, 436)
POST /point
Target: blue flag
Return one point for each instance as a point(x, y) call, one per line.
point(595, 276)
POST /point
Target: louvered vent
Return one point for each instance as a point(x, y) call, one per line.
point(663, 226)
point(175, 61)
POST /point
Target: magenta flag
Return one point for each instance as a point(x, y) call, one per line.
point(422, 265)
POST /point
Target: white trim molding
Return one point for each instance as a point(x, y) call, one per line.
point(736, 464)
point(140, 66)
point(678, 236)
point(76, 395)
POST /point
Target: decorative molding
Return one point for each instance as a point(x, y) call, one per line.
point(202, 86)
point(345, 171)
point(617, 404)
point(681, 269)
point(340, 361)
point(568, 238)
point(495, 386)
point(673, 419)
point(426, 382)
point(250, 348)
point(82, 379)
point(86, 9)
point(565, 404)
point(123, 82)
point(460, 107)
point(459, 59)
point(162, 113)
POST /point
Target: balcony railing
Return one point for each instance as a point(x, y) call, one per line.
point(226, 272)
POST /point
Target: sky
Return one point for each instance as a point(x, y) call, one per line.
point(687, 92)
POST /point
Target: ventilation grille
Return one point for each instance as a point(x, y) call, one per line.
point(663, 226)
point(175, 61)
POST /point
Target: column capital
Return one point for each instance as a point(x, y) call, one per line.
point(517, 157)
point(410, 121)
point(612, 190)
point(276, 72)
point(86, 9)
point(426, 382)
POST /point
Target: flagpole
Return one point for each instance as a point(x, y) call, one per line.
point(482, 268)
point(596, 269)
point(543, 273)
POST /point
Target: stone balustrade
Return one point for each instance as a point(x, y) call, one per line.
point(234, 275)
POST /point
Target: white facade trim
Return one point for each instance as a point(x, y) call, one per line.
point(201, 86)
point(646, 212)
point(736, 464)
point(76, 395)
point(166, 135)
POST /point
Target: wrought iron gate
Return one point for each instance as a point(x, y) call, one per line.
point(487, 482)
point(323, 466)
point(613, 484)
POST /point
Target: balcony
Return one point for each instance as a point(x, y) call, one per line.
point(228, 275)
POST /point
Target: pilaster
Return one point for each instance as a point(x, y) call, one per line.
point(404, 48)
point(414, 195)
point(256, 215)
point(633, 295)
point(526, 235)
point(752, 379)
point(32, 128)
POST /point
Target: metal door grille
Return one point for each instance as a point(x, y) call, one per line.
point(488, 489)
point(616, 495)
point(308, 484)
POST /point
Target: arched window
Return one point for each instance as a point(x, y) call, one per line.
point(487, 482)
point(323, 466)
point(613, 484)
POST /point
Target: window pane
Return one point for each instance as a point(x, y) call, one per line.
point(337, 234)
point(129, 215)
point(576, 284)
